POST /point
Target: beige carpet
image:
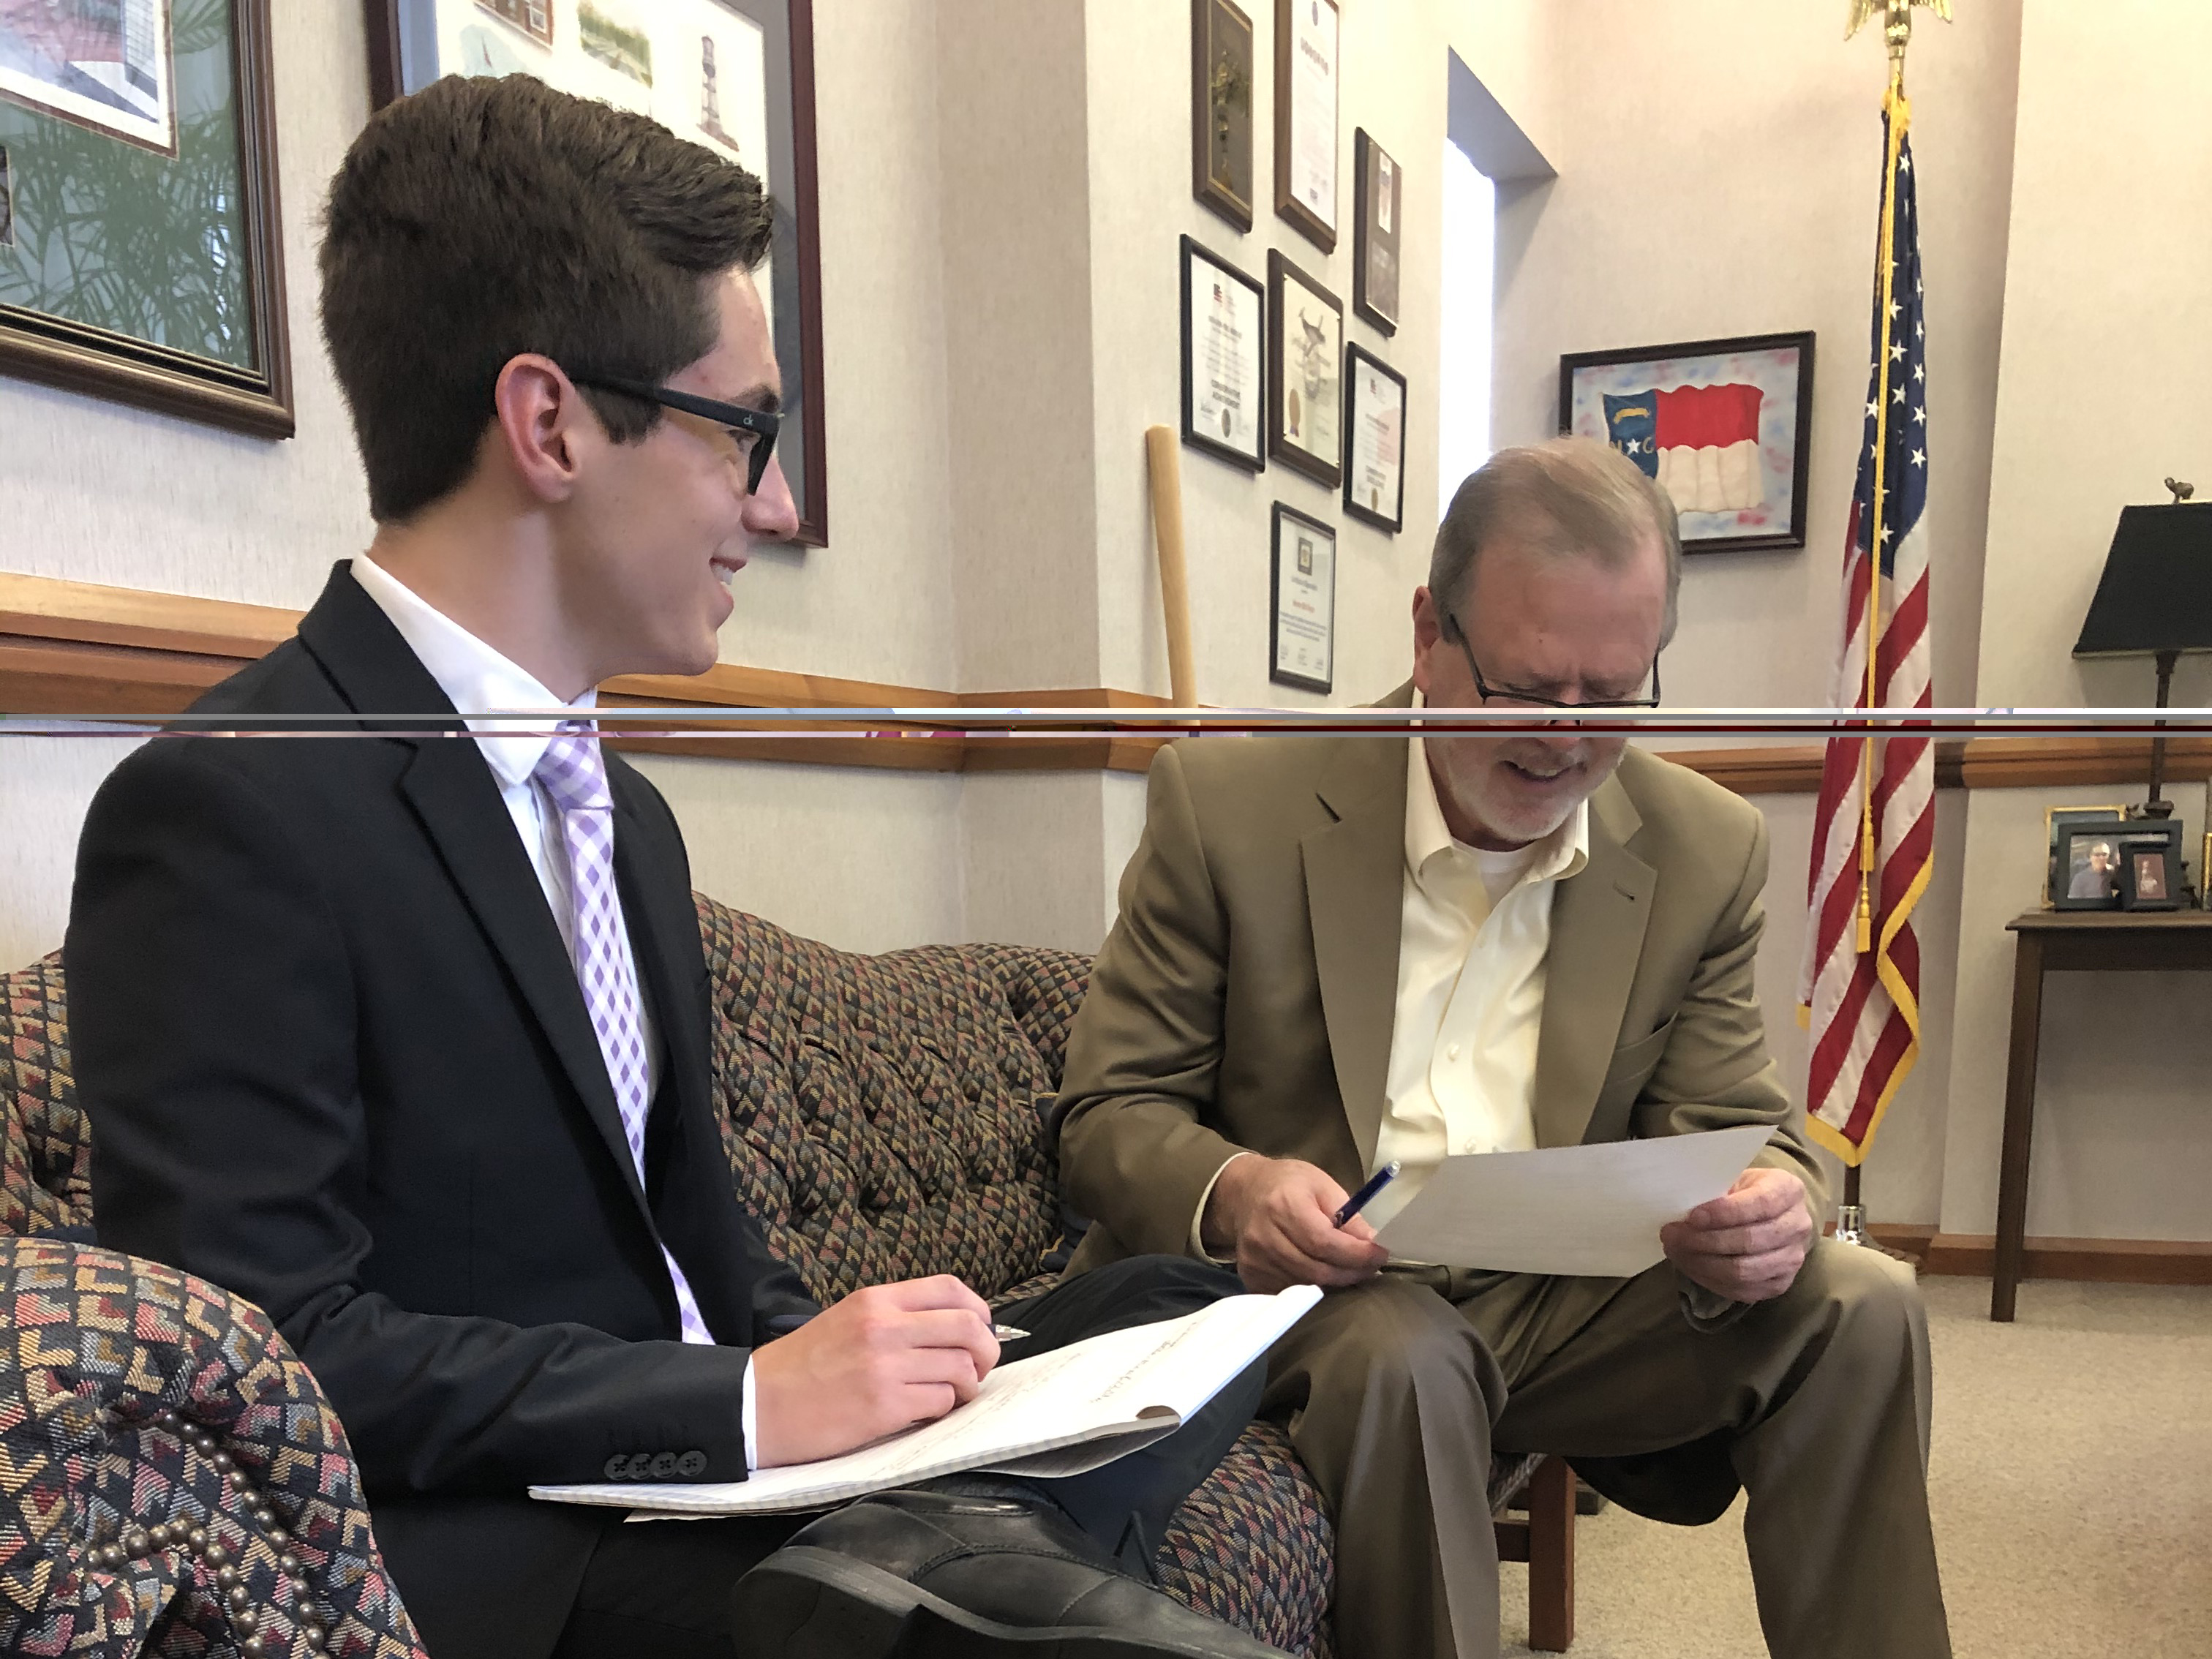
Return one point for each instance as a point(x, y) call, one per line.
point(2071, 1482)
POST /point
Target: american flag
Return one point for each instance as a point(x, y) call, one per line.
point(1871, 858)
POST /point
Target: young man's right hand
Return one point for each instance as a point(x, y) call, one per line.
point(882, 1359)
point(1278, 1216)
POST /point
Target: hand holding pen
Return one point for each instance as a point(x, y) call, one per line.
point(1277, 1219)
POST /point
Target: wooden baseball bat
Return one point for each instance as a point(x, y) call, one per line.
point(1161, 450)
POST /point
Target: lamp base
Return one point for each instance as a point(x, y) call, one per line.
point(2152, 809)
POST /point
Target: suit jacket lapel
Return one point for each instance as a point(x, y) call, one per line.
point(454, 794)
point(1355, 874)
point(1598, 918)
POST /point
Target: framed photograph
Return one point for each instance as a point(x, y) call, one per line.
point(1224, 374)
point(2085, 867)
point(1724, 425)
point(1377, 193)
point(1305, 352)
point(2056, 820)
point(1307, 36)
point(141, 248)
point(1221, 109)
point(737, 76)
point(1302, 600)
point(2151, 872)
point(1374, 441)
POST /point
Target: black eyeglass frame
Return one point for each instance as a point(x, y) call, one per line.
point(1484, 689)
point(762, 424)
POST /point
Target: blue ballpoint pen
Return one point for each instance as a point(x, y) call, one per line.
point(1376, 1182)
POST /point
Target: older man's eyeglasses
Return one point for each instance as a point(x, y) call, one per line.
point(1519, 696)
point(755, 430)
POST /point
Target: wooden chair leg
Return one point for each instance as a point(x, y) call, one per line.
point(1552, 1557)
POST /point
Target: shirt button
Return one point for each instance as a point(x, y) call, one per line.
point(1468, 1145)
point(1452, 1052)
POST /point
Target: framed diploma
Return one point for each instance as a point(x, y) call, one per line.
point(1224, 372)
point(735, 75)
point(1374, 441)
point(1302, 634)
point(1306, 347)
point(1376, 192)
point(1221, 109)
point(1306, 40)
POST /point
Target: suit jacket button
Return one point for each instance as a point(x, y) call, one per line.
point(691, 1465)
point(617, 1466)
point(663, 1466)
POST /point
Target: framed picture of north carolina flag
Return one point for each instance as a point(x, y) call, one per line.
point(1724, 426)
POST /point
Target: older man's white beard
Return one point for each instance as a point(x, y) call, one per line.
point(1514, 822)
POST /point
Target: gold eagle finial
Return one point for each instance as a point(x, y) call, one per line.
point(1897, 26)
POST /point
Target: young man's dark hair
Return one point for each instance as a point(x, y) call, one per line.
point(537, 222)
point(407, 1040)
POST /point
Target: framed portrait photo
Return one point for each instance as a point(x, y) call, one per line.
point(2057, 821)
point(2151, 872)
point(1374, 441)
point(736, 75)
point(1221, 109)
point(1301, 602)
point(2084, 866)
point(1307, 39)
point(141, 247)
point(1723, 426)
point(1224, 375)
point(1378, 196)
point(1305, 355)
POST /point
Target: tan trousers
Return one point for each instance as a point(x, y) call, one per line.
point(1395, 1393)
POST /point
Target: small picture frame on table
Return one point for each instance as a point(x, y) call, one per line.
point(2151, 872)
point(2085, 864)
point(1302, 601)
point(1305, 357)
point(1224, 366)
point(1374, 441)
point(1377, 193)
point(1307, 39)
point(2057, 821)
point(1221, 109)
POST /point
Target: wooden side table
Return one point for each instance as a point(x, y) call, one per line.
point(2068, 941)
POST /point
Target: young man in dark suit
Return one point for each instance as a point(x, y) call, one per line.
point(405, 1037)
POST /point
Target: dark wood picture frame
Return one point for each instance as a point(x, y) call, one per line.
point(101, 362)
point(1395, 519)
point(1325, 470)
point(1801, 426)
point(1322, 233)
point(1286, 514)
point(1195, 252)
point(2115, 831)
point(796, 299)
point(1378, 279)
point(2151, 837)
point(1221, 39)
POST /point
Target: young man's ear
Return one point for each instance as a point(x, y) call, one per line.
point(539, 411)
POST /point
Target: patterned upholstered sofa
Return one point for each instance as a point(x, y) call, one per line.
point(171, 1479)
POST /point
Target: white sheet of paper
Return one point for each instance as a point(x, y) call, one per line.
point(1593, 1210)
point(1057, 1414)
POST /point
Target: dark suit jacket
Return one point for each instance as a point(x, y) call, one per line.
point(335, 1059)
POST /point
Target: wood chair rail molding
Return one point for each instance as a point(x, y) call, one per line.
point(71, 647)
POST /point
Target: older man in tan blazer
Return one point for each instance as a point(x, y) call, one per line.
point(1334, 952)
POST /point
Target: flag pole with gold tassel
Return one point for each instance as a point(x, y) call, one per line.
point(1897, 32)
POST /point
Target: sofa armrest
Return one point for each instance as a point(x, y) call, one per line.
point(167, 1458)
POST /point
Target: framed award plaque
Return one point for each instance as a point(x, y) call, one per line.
point(1305, 356)
point(1307, 38)
point(1374, 441)
point(1377, 194)
point(1221, 109)
point(1224, 372)
point(1301, 628)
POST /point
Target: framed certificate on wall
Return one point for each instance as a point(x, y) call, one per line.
point(1223, 368)
point(1305, 363)
point(1306, 41)
point(735, 75)
point(1377, 194)
point(1302, 596)
point(1374, 441)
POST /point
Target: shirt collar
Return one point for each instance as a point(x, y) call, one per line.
point(1560, 855)
point(471, 674)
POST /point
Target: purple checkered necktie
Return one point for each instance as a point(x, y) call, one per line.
point(574, 778)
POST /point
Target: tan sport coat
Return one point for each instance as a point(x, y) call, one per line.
point(1245, 998)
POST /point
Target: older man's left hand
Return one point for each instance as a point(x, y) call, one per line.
point(1748, 1244)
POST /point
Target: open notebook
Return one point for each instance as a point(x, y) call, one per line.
point(1058, 1413)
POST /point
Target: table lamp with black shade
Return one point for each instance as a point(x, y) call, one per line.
point(2154, 600)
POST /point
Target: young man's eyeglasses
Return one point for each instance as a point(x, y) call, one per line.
point(755, 430)
point(1516, 694)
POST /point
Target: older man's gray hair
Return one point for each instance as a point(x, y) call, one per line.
point(1569, 495)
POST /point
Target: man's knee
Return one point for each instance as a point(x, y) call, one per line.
point(1863, 1307)
point(1391, 1338)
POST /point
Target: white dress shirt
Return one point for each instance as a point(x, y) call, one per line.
point(474, 677)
